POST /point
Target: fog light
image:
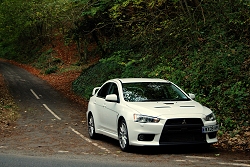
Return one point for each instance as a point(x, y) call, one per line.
point(145, 137)
point(141, 137)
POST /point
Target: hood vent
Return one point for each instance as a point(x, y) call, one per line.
point(162, 107)
point(169, 103)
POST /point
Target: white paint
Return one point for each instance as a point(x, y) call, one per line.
point(63, 151)
point(199, 157)
point(3, 146)
point(180, 160)
point(37, 97)
point(234, 164)
point(88, 140)
point(242, 160)
point(221, 163)
point(51, 112)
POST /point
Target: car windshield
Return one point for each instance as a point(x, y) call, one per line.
point(152, 91)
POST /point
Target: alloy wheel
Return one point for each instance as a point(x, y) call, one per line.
point(123, 136)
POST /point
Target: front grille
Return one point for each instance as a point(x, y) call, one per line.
point(183, 130)
point(181, 121)
point(212, 135)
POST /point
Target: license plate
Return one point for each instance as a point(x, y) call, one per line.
point(212, 128)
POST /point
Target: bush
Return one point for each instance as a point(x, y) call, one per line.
point(209, 58)
point(95, 76)
point(47, 62)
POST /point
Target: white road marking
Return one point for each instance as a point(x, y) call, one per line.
point(234, 164)
point(88, 140)
point(199, 157)
point(51, 111)
point(61, 151)
point(57, 117)
point(180, 160)
point(242, 160)
point(222, 163)
point(3, 146)
point(37, 97)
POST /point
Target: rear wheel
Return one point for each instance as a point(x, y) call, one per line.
point(91, 127)
point(123, 136)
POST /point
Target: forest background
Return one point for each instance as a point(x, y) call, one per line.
point(201, 45)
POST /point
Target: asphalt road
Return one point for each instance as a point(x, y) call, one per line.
point(52, 132)
point(31, 161)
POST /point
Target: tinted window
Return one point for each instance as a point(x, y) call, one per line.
point(152, 91)
point(104, 90)
point(113, 89)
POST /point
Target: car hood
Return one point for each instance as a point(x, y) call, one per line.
point(177, 109)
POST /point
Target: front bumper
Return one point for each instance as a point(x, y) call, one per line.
point(171, 132)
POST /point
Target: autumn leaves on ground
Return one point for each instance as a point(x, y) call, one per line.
point(8, 109)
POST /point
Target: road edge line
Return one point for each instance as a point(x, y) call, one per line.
point(88, 140)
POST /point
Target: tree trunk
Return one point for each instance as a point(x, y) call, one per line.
point(78, 45)
point(85, 50)
point(99, 44)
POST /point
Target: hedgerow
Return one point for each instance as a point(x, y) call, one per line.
point(207, 55)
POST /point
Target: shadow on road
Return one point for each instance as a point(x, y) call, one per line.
point(157, 150)
point(183, 149)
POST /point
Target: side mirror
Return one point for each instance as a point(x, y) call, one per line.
point(192, 96)
point(112, 98)
point(95, 90)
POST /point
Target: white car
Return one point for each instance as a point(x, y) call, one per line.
point(149, 112)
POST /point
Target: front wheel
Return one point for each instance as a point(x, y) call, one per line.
point(91, 127)
point(123, 136)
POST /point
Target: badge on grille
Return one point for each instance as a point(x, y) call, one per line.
point(184, 122)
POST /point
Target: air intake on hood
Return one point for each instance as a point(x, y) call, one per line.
point(162, 107)
point(169, 103)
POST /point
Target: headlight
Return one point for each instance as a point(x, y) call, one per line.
point(210, 117)
point(144, 118)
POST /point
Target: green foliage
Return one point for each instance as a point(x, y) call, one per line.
point(206, 53)
point(26, 25)
point(95, 76)
point(11, 27)
point(47, 62)
point(51, 70)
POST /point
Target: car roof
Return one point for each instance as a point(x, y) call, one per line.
point(133, 80)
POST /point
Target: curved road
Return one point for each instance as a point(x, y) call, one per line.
point(52, 131)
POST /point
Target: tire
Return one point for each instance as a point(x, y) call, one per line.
point(91, 127)
point(123, 136)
